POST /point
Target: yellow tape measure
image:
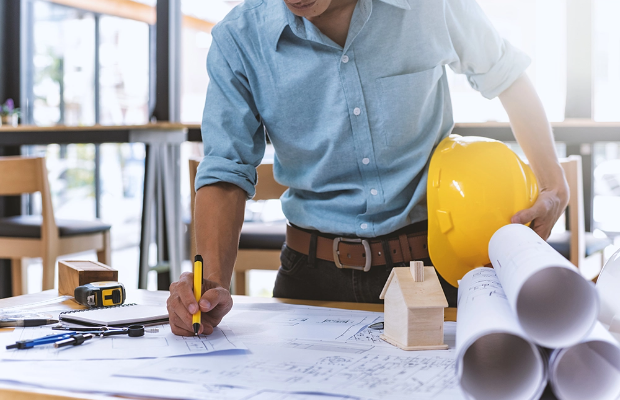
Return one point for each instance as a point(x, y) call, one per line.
point(100, 294)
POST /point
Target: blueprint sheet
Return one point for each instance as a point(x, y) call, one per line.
point(372, 375)
point(294, 352)
point(122, 347)
point(318, 350)
point(88, 377)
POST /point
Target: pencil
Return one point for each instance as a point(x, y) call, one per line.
point(196, 319)
point(27, 322)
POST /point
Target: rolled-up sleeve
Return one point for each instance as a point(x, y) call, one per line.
point(490, 62)
point(232, 132)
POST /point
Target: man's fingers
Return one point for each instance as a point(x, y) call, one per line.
point(185, 291)
point(179, 324)
point(206, 328)
point(180, 309)
point(542, 227)
point(213, 298)
point(524, 216)
point(539, 209)
point(214, 304)
point(542, 214)
point(181, 312)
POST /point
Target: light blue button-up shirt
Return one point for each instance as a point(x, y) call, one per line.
point(353, 128)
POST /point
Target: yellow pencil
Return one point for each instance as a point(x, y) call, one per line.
point(197, 317)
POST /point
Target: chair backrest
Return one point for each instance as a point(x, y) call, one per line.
point(266, 186)
point(575, 212)
point(20, 175)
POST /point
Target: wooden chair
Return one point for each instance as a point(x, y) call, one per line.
point(260, 243)
point(580, 247)
point(29, 236)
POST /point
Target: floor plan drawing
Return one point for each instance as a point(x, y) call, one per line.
point(375, 373)
point(161, 344)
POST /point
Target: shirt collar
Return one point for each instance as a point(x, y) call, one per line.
point(404, 4)
point(281, 17)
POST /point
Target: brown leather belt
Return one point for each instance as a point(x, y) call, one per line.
point(360, 254)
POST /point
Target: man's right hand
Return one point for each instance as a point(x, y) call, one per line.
point(214, 304)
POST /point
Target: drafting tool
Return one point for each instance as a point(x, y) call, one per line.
point(27, 322)
point(74, 340)
point(104, 331)
point(27, 344)
point(196, 318)
point(132, 330)
point(100, 294)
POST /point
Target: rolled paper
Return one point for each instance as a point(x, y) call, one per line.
point(554, 304)
point(494, 357)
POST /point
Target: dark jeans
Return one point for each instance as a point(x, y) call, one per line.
point(298, 279)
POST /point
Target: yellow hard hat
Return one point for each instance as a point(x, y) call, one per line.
point(475, 185)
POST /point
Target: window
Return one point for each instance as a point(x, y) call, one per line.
point(198, 19)
point(606, 60)
point(66, 85)
point(539, 29)
point(607, 187)
point(63, 66)
point(124, 71)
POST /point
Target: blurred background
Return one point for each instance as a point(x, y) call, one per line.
point(91, 62)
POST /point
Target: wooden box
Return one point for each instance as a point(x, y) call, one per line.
point(72, 274)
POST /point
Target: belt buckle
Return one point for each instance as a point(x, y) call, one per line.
point(364, 243)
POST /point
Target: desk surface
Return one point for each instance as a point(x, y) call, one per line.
point(144, 296)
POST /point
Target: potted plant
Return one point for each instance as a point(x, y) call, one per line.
point(9, 115)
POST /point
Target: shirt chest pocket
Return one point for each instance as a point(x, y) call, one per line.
point(410, 106)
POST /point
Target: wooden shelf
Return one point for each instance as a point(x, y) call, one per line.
point(64, 128)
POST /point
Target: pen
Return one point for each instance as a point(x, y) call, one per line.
point(26, 322)
point(196, 319)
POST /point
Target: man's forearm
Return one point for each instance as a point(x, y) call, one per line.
point(533, 132)
point(218, 219)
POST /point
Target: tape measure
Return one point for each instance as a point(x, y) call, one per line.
point(100, 294)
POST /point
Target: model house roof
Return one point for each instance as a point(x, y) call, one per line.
point(426, 294)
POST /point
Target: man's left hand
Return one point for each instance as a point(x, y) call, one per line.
point(548, 207)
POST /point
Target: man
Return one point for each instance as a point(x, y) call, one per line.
point(354, 97)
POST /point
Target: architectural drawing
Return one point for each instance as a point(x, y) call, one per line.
point(161, 344)
point(374, 374)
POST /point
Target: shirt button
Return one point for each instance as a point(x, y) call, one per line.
point(364, 226)
point(357, 111)
point(345, 59)
point(373, 192)
point(365, 160)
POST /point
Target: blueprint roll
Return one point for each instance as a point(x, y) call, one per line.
point(587, 370)
point(495, 360)
point(554, 304)
point(607, 286)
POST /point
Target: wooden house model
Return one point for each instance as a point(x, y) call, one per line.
point(414, 308)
